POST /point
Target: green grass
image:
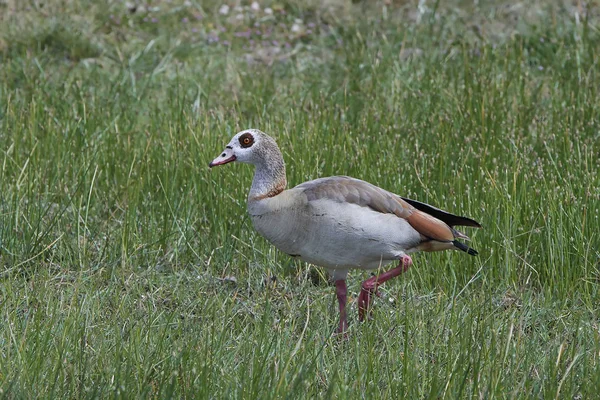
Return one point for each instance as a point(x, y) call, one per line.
point(128, 269)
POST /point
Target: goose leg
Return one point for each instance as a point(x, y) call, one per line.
point(369, 287)
point(341, 292)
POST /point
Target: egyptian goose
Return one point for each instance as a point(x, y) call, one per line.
point(339, 222)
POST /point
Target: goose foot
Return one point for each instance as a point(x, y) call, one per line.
point(369, 287)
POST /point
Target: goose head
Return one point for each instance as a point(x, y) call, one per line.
point(252, 146)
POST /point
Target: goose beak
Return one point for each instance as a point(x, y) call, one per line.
point(226, 157)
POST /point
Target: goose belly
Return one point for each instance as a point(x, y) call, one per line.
point(338, 235)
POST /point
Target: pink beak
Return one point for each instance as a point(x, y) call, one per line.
point(224, 158)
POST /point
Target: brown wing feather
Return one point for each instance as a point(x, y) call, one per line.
point(430, 227)
point(343, 189)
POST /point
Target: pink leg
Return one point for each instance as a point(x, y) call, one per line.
point(341, 292)
point(369, 287)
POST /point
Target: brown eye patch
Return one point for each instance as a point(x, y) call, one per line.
point(246, 140)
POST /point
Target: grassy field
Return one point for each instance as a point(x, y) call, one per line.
point(128, 269)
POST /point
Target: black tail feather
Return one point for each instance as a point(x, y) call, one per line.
point(450, 219)
point(465, 248)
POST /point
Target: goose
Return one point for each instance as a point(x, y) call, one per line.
point(339, 222)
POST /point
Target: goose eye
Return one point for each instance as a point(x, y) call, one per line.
point(246, 140)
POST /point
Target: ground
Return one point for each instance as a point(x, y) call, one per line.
point(128, 269)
